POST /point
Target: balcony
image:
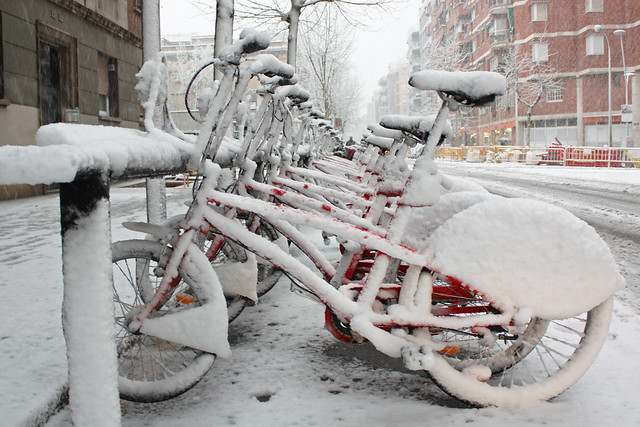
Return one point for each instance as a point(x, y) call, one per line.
point(464, 17)
point(498, 37)
point(499, 7)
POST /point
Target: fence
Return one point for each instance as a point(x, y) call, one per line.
point(553, 155)
point(83, 159)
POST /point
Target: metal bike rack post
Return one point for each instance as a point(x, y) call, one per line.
point(87, 307)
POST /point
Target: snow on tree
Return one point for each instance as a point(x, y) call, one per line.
point(324, 68)
point(530, 78)
point(289, 12)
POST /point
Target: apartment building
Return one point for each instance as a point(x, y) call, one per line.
point(67, 61)
point(589, 46)
point(185, 54)
point(393, 95)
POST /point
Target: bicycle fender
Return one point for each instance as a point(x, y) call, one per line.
point(526, 254)
point(203, 327)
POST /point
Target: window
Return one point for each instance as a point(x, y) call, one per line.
point(554, 95)
point(540, 51)
point(443, 18)
point(595, 44)
point(108, 85)
point(593, 6)
point(538, 11)
point(57, 74)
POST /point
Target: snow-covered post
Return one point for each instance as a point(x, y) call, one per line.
point(224, 29)
point(87, 306)
point(156, 187)
point(292, 37)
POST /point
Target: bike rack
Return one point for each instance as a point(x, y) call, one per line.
point(87, 307)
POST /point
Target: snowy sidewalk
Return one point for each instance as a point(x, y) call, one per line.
point(285, 368)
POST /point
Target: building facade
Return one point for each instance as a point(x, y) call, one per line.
point(67, 61)
point(393, 95)
point(185, 55)
point(574, 41)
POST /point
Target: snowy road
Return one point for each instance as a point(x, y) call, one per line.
point(286, 369)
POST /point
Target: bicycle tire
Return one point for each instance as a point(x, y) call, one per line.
point(555, 362)
point(499, 348)
point(151, 369)
point(268, 274)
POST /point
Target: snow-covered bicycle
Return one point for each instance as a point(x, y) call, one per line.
point(496, 302)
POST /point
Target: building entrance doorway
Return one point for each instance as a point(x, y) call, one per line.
point(50, 74)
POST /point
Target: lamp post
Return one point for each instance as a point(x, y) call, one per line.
point(598, 29)
point(621, 33)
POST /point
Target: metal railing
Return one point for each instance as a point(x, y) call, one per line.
point(554, 155)
point(84, 167)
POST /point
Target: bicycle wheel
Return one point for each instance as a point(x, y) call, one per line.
point(496, 347)
point(268, 274)
point(151, 369)
point(558, 353)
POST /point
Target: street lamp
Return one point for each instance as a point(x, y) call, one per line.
point(598, 29)
point(621, 34)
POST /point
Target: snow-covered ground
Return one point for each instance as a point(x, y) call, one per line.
point(285, 369)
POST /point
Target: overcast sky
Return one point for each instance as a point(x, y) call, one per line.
point(374, 49)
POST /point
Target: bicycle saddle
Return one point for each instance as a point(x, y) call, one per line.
point(379, 141)
point(293, 92)
point(250, 41)
point(471, 88)
point(271, 66)
point(418, 126)
point(378, 130)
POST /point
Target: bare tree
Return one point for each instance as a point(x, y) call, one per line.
point(448, 55)
point(445, 54)
point(530, 78)
point(324, 68)
point(272, 12)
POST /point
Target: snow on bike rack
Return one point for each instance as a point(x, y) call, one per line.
point(84, 159)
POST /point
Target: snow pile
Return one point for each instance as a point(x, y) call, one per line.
point(64, 149)
point(120, 148)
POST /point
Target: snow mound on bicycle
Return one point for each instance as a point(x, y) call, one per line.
point(525, 254)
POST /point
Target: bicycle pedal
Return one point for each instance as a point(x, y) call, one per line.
point(417, 358)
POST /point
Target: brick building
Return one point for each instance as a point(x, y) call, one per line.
point(67, 61)
point(572, 37)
